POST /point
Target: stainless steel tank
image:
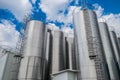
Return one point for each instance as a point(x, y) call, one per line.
point(58, 62)
point(32, 64)
point(9, 65)
point(115, 48)
point(108, 51)
point(48, 54)
point(70, 53)
point(119, 52)
point(119, 44)
point(91, 62)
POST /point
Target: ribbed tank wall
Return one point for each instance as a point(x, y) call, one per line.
point(48, 54)
point(109, 54)
point(115, 48)
point(64, 51)
point(94, 44)
point(32, 64)
point(86, 66)
point(87, 39)
point(119, 44)
point(47, 45)
point(58, 62)
point(71, 62)
point(119, 52)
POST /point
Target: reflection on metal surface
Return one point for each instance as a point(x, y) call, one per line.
point(52, 54)
point(115, 47)
point(87, 40)
point(108, 51)
point(32, 64)
point(9, 65)
point(58, 60)
point(70, 54)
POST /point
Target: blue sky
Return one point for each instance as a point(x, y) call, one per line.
point(57, 12)
point(110, 6)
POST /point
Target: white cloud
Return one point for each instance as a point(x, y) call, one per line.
point(52, 8)
point(55, 10)
point(76, 1)
point(52, 26)
point(8, 34)
point(33, 1)
point(18, 7)
point(113, 20)
point(68, 31)
point(99, 10)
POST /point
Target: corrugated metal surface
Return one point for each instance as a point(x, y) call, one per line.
point(32, 64)
point(109, 53)
point(87, 40)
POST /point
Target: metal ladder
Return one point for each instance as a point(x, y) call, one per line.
point(99, 65)
point(99, 69)
point(94, 48)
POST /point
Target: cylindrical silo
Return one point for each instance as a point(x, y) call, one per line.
point(9, 65)
point(108, 51)
point(48, 54)
point(58, 62)
point(115, 46)
point(70, 54)
point(119, 43)
point(119, 51)
point(32, 64)
point(88, 45)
